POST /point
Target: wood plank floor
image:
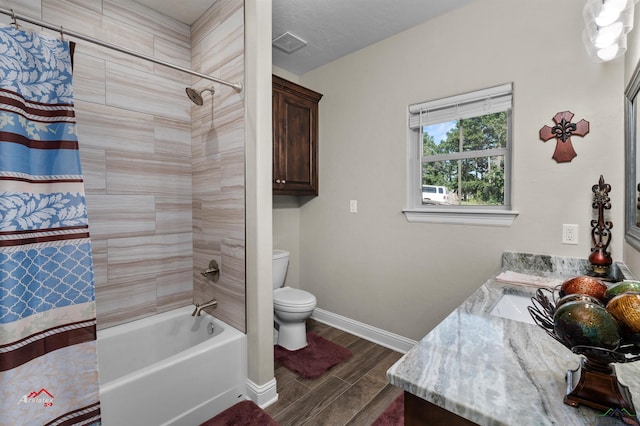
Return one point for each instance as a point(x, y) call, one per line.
point(354, 392)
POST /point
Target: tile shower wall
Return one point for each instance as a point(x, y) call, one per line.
point(217, 40)
point(148, 202)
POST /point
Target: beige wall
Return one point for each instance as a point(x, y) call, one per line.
point(632, 55)
point(281, 72)
point(135, 132)
point(377, 268)
point(286, 234)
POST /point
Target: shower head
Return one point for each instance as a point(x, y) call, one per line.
point(195, 96)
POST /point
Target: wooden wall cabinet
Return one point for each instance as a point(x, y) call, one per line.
point(295, 139)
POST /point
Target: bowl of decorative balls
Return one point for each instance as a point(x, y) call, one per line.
point(599, 321)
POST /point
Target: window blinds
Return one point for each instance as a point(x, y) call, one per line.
point(473, 104)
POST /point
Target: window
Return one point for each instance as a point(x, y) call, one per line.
point(460, 158)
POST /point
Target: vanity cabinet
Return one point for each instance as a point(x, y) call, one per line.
point(476, 367)
point(295, 138)
point(418, 412)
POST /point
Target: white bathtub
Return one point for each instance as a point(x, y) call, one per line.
point(168, 370)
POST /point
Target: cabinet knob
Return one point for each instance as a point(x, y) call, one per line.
point(283, 181)
point(277, 180)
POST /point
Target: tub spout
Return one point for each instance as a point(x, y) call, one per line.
point(199, 307)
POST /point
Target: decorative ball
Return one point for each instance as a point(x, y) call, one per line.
point(626, 309)
point(577, 297)
point(622, 287)
point(584, 284)
point(585, 323)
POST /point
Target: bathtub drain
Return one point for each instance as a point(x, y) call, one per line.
point(210, 328)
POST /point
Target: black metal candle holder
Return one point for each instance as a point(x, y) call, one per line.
point(600, 258)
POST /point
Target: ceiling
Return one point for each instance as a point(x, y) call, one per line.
point(331, 28)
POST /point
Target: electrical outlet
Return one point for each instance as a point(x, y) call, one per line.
point(569, 234)
point(353, 206)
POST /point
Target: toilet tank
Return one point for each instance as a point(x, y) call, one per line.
point(280, 262)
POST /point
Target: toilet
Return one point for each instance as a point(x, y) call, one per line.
point(291, 306)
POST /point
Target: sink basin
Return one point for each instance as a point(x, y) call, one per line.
point(513, 307)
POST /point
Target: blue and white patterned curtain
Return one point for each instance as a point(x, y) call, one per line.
point(48, 361)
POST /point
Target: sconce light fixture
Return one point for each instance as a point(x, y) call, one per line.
point(606, 25)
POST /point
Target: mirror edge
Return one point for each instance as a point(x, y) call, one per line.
point(632, 231)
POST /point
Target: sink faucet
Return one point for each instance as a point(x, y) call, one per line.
point(199, 308)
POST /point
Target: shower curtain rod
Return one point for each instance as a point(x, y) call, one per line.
point(61, 30)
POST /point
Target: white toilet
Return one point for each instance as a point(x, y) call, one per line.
point(291, 306)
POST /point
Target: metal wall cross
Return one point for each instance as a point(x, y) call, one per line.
point(562, 132)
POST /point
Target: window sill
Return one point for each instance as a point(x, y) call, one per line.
point(487, 217)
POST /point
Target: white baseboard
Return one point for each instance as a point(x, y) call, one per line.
point(382, 337)
point(262, 395)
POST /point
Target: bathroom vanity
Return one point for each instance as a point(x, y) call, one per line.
point(479, 367)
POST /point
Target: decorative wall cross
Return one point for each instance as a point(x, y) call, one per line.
point(562, 132)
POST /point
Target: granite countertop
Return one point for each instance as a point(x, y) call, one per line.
point(496, 371)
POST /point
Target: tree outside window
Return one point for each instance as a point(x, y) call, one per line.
point(467, 156)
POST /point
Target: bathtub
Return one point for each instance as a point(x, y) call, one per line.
point(169, 370)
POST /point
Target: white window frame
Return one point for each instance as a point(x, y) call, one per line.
point(472, 104)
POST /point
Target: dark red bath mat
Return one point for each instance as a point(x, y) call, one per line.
point(315, 359)
point(393, 415)
point(245, 413)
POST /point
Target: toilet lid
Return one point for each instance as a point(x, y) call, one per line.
point(287, 296)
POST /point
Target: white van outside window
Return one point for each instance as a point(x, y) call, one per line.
point(433, 194)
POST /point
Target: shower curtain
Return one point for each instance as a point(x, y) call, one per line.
point(48, 360)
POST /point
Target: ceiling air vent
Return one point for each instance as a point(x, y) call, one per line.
point(288, 42)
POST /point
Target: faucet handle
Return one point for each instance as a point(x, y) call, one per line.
point(212, 272)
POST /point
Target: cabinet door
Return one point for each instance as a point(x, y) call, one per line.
point(295, 139)
point(296, 160)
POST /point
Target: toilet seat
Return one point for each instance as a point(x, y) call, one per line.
point(293, 300)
